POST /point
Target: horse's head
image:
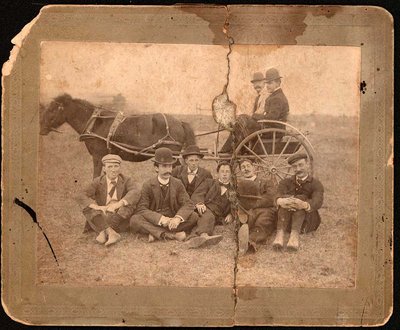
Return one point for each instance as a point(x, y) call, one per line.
point(53, 116)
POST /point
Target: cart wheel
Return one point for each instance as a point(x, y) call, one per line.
point(270, 148)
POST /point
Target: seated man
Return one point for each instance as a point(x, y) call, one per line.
point(256, 199)
point(191, 174)
point(115, 197)
point(299, 198)
point(270, 104)
point(194, 178)
point(164, 209)
point(217, 205)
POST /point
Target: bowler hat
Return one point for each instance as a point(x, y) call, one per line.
point(296, 157)
point(164, 156)
point(111, 158)
point(272, 74)
point(257, 76)
point(192, 150)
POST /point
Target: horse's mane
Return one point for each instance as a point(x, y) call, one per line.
point(66, 98)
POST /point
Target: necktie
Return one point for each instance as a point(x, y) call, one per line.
point(164, 188)
point(112, 190)
point(226, 185)
point(191, 176)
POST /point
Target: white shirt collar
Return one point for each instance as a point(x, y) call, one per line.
point(163, 181)
point(195, 171)
point(276, 89)
point(302, 179)
point(109, 181)
point(252, 178)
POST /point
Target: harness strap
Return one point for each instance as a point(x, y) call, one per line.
point(168, 135)
point(119, 118)
point(92, 120)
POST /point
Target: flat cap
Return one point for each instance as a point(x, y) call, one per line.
point(111, 158)
point(296, 157)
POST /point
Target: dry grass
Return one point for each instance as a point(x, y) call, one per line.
point(326, 258)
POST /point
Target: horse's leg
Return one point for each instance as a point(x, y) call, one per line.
point(97, 166)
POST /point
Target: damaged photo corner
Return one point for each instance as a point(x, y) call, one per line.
point(200, 171)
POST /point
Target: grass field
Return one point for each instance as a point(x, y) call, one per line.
point(326, 258)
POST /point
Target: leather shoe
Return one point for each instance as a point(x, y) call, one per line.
point(151, 238)
point(102, 237)
point(204, 240)
point(180, 236)
point(113, 237)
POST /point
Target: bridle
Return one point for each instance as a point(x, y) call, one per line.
point(60, 108)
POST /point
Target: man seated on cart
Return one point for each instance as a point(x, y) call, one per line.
point(270, 104)
point(298, 199)
point(256, 205)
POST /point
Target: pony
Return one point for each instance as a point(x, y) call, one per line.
point(134, 138)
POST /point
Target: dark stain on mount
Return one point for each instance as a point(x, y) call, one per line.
point(327, 11)
point(214, 15)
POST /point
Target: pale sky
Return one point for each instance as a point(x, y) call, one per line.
point(181, 78)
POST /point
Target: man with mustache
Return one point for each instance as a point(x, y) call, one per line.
point(270, 104)
point(256, 203)
point(165, 210)
point(113, 197)
point(298, 199)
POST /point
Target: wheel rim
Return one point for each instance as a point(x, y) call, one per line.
point(269, 149)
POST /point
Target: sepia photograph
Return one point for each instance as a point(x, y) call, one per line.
point(199, 165)
point(276, 187)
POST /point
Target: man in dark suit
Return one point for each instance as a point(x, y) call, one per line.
point(256, 204)
point(270, 104)
point(194, 179)
point(164, 209)
point(113, 197)
point(298, 199)
point(216, 208)
point(191, 174)
point(276, 105)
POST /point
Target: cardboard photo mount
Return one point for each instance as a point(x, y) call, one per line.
point(369, 303)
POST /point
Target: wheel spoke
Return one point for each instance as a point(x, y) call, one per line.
point(262, 165)
point(255, 154)
point(262, 144)
point(284, 148)
point(276, 173)
point(273, 143)
point(283, 172)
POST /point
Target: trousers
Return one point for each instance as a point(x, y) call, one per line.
point(97, 221)
point(262, 223)
point(139, 224)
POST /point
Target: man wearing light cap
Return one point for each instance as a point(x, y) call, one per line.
point(298, 199)
point(114, 198)
point(165, 210)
